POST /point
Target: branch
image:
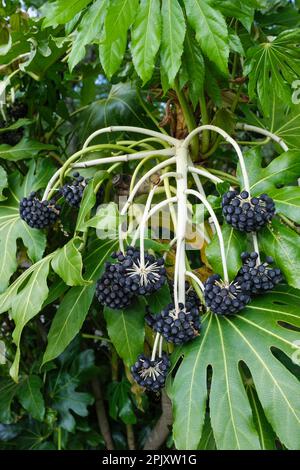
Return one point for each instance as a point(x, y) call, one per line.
point(161, 430)
point(130, 437)
point(101, 414)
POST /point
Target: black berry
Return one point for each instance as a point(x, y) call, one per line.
point(247, 214)
point(224, 299)
point(112, 289)
point(257, 277)
point(151, 374)
point(38, 214)
point(73, 191)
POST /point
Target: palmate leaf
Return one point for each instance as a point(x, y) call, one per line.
point(225, 342)
point(3, 183)
point(272, 67)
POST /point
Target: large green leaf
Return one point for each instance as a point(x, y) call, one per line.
point(88, 31)
point(12, 227)
point(30, 396)
point(76, 303)
point(225, 342)
point(235, 243)
point(284, 169)
point(243, 11)
point(118, 20)
point(3, 183)
point(194, 64)
point(8, 390)
point(67, 263)
point(62, 11)
point(211, 31)
point(173, 32)
point(26, 148)
point(126, 329)
point(287, 201)
point(26, 304)
point(272, 67)
point(145, 38)
point(282, 243)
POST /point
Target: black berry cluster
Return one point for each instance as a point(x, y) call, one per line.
point(126, 278)
point(247, 214)
point(11, 137)
point(181, 326)
point(73, 191)
point(38, 214)
point(15, 111)
point(151, 374)
point(225, 299)
point(258, 278)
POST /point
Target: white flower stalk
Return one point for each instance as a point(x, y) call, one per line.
point(155, 345)
point(124, 158)
point(265, 132)
point(144, 178)
point(182, 217)
point(228, 139)
point(196, 279)
point(206, 174)
point(137, 130)
point(218, 230)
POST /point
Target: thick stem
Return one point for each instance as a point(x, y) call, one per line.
point(101, 414)
point(189, 118)
point(130, 437)
point(218, 229)
point(182, 216)
point(162, 428)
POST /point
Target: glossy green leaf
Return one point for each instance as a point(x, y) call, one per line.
point(118, 20)
point(207, 441)
point(31, 398)
point(88, 31)
point(173, 32)
point(240, 10)
point(62, 11)
point(8, 389)
point(282, 170)
point(146, 37)
point(76, 303)
point(287, 202)
point(223, 344)
point(235, 243)
point(282, 243)
point(211, 31)
point(3, 183)
point(67, 263)
point(120, 404)
point(194, 64)
point(12, 227)
point(159, 299)
point(25, 149)
point(126, 329)
point(26, 304)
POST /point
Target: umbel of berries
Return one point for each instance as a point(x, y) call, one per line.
point(38, 214)
point(177, 326)
point(125, 278)
point(225, 299)
point(256, 277)
point(247, 214)
point(73, 191)
point(142, 277)
point(151, 373)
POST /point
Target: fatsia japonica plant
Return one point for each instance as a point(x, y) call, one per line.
point(149, 224)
